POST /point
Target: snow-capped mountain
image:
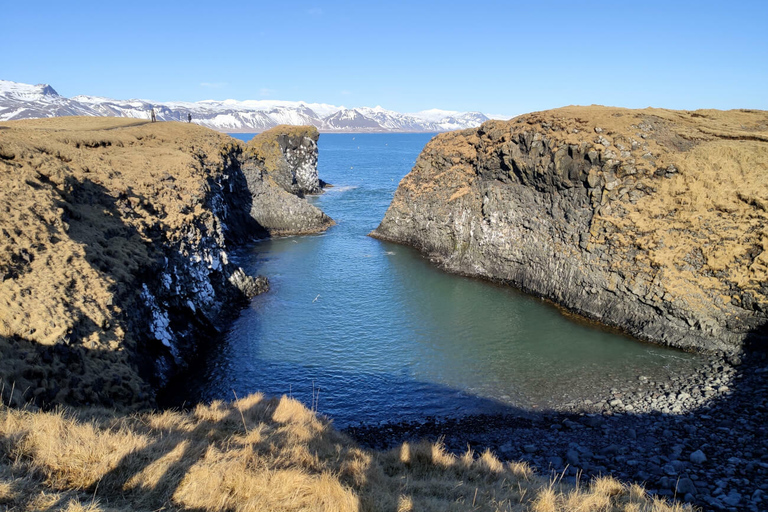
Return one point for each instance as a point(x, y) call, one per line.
point(24, 101)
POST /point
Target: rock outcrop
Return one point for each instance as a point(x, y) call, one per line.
point(280, 166)
point(114, 247)
point(289, 155)
point(653, 221)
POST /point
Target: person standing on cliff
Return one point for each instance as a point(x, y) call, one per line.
point(152, 115)
point(189, 117)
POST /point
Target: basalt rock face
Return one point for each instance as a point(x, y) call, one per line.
point(280, 166)
point(114, 260)
point(653, 221)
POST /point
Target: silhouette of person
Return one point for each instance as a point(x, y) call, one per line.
point(189, 117)
point(152, 115)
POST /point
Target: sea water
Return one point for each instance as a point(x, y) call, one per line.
point(364, 330)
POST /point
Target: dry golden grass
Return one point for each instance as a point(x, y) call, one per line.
point(81, 196)
point(261, 454)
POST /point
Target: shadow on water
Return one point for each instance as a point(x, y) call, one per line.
point(375, 351)
point(655, 449)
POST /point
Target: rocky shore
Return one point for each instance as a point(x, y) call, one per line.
point(702, 440)
point(114, 258)
point(652, 221)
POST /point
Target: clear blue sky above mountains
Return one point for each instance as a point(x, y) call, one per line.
point(496, 57)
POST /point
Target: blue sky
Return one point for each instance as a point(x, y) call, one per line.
point(495, 57)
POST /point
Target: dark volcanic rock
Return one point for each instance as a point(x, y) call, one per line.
point(649, 220)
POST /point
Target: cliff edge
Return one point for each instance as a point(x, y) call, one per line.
point(114, 263)
point(654, 221)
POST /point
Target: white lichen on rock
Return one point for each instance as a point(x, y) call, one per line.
point(303, 162)
point(160, 324)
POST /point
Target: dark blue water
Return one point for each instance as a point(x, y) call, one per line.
point(384, 335)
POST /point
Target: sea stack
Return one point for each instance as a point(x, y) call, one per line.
point(654, 221)
point(280, 166)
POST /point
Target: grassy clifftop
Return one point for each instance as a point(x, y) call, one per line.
point(80, 200)
point(85, 206)
point(112, 255)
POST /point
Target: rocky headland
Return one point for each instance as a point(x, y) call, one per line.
point(114, 258)
point(652, 221)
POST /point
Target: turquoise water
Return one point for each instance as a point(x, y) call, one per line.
point(371, 331)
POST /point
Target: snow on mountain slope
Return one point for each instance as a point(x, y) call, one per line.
point(23, 101)
point(434, 115)
point(350, 120)
point(446, 120)
point(26, 92)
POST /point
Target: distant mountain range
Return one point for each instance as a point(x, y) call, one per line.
point(25, 101)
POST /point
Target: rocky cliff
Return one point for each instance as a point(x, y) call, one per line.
point(114, 249)
point(654, 221)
